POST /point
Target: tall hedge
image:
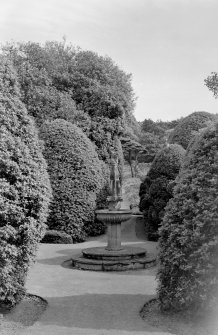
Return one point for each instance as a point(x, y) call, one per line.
point(189, 126)
point(76, 178)
point(156, 190)
point(188, 274)
point(24, 189)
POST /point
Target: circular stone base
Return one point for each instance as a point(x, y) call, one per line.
point(82, 263)
point(126, 253)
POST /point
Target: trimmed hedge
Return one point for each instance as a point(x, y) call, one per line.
point(188, 273)
point(24, 189)
point(57, 237)
point(156, 189)
point(76, 178)
point(189, 126)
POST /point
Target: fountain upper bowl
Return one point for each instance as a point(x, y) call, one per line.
point(113, 216)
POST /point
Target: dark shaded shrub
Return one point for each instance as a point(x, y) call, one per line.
point(155, 191)
point(57, 237)
point(24, 189)
point(76, 178)
point(188, 273)
point(188, 127)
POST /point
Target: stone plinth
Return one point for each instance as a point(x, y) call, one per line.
point(126, 253)
point(100, 260)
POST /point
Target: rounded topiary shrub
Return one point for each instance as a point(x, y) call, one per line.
point(76, 177)
point(156, 190)
point(188, 273)
point(189, 126)
point(24, 189)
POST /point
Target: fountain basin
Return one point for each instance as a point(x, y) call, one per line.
point(113, 216)
point(113, 219)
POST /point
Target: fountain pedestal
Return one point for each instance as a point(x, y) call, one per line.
point(113, 257)
point(113, 219)
point(114, 237)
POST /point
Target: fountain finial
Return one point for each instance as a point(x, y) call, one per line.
point(115, 198)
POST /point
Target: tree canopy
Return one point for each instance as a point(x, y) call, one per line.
point(91, 91)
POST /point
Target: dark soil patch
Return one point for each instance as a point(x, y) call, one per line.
point(180, 323)
point(24, 314)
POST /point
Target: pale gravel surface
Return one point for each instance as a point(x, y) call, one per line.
point(91, 303)
point(88, 303)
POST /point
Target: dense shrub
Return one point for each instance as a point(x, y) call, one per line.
point(188, 273)
point(56, 237)
point(24, 189)
point(188, 127)
point(76, 177)
point(156, 191)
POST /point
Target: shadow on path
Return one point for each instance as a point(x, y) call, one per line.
point(97, 311)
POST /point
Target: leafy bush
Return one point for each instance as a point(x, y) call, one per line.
point(24, 189)
point(188, 273)
point(76, 177)
point(156, 191)
point(188, 127)
point(58, 237)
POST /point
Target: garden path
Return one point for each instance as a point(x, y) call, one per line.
point(91, 303)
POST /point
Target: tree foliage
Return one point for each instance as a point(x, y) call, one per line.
point(60, 81)
point(24, 189)
point(188, 273)
point(212, 83)
point(132, 151)
point(189, 126)
point(149, 126)
point(156, 190)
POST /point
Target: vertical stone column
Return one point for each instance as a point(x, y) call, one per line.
point(114, 236)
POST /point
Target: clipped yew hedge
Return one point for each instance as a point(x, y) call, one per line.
point(76, 178)
point(189, 126)
point(24, 189)
point(188, 273)
point(156, 190)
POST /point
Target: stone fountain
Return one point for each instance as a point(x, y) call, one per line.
point(115, 256)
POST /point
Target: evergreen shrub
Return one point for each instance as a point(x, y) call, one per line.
point(24, 189)
point(188, 273)
point(188, 127)
point(56, 237)
point(156, 189)
point(76, 178)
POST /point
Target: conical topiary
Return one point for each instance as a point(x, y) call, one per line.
point(24, 189)
point(188, 273)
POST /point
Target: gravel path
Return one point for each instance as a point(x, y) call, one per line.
point(90, 303)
